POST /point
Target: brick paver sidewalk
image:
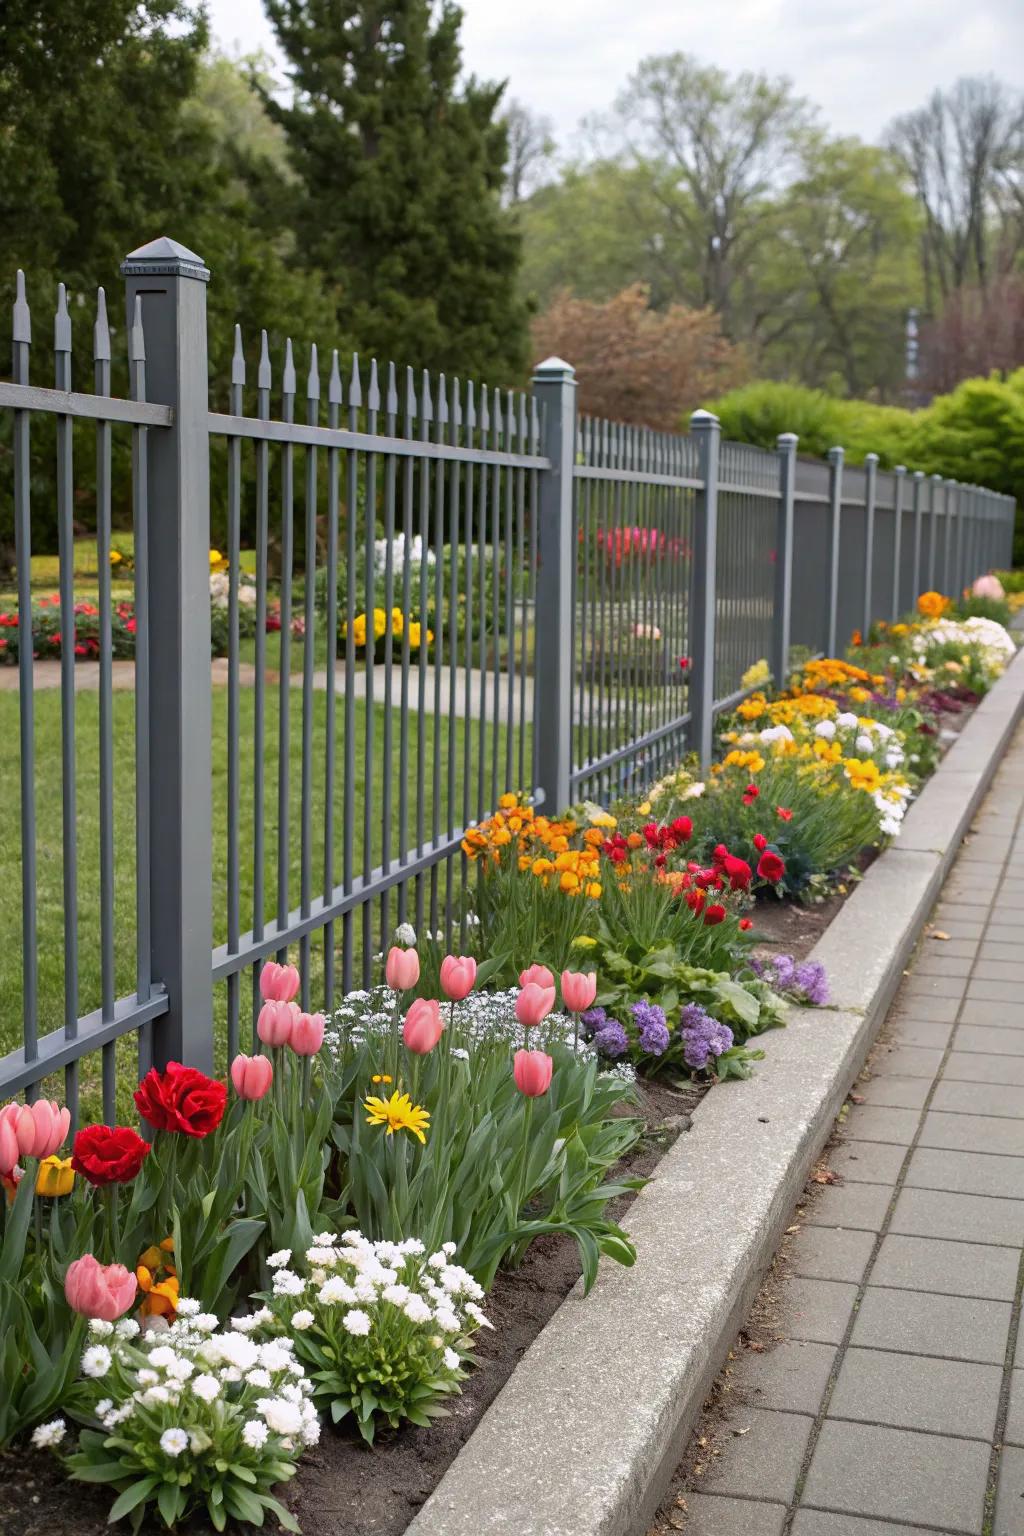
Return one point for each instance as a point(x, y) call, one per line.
point(893, 1405)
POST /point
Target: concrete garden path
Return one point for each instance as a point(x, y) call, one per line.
point(895, 1403)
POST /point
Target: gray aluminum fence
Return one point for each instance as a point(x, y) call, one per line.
point(594, 592)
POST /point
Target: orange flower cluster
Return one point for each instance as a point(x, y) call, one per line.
point(158, 1279)
point(831, 673)
point(555, 852)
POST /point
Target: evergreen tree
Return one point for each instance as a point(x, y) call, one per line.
point(400, 170)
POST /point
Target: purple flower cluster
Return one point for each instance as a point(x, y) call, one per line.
point(806, 982)
point(606, 1034)
point(651, 1026)
point(703, 1036)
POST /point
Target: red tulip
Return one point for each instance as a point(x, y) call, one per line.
point(579, 988)
point(783, 813)
point(252, 1076)
point(458, 975)
point(760, 842)
point(105, 1291)
point(274, 1025)
point(534, 1003)
point(402, 969)
point(739, 872)
point(750, 794)
point(423, 1025)
point(532, 1071)
point(538, 974)
point(278, 983)
point(307, 1034)
point(745, 924)
point(714, 914)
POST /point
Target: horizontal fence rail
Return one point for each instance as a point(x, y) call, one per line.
point(431, 594)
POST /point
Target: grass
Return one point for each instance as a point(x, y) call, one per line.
point(439, 739)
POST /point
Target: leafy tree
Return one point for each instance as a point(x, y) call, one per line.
point(399, 173)
point(531, 146)
point(636, 364)
point(717, 149)
point(840, 271)
point(597, 230)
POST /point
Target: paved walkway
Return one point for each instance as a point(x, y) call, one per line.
point(893, 1405)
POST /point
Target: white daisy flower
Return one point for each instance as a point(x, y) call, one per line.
point(206, 1387)
point(255, 1434)
point(279, 1259)
point(173, 1442)
point(302, 1319)
point(96, 1361)
point(45, 1436)
point(356, 1322)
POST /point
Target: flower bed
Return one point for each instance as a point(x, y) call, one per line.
point(320, 1243)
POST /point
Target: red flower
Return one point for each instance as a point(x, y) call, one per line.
point(714, 914)
point(745, 924)
point(720, 855)
point(739, 872)
point(684, 663)
point(695, 900)
point(750, 794)
point(683, 828)
point(181, 1099)
point(760, 842)
point(770, 866)
point(106, 1154)
point(783, 814)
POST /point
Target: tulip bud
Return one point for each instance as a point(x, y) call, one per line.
point(423, 1025)
point(534, 1003)
point(539, 974)
point(532, 1071)
point(278, 983)
point(579, 988)
point(274, 1025)
point(252, 1076)
point(402, 969)
point(458, 975)
point(307, 1034)
point(104, 1291)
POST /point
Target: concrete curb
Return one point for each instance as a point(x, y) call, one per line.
point(586, 1433)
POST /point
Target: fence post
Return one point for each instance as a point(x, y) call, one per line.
point(554, 388)
point(916, 588)
point(835, 508)
point(707, 434)
point(782, 617)
point(933, 529)
point(171, 283)
point(870, 497)
point(899, 485)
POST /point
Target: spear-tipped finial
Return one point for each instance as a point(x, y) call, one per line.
point(101, 330)
point(238, 360)
point(264, 373)
point(334, 382)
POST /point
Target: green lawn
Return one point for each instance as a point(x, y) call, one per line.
point(436, 740)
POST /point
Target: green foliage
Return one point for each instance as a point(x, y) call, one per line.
point(758, 412)
point(399, 170)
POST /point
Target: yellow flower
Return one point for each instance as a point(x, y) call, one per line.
point(759, 673)
point(645, 809)
point(380, 1077)
point(602, 819)
point(56, 1176)
point(398, 1113)
point(116, 557)
point(900, 629)
point(594, 889)
point(753, 761)
point(583, 941)
point(862, 774)
point(508, 802)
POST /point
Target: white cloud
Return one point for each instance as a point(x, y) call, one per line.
point(860, 61)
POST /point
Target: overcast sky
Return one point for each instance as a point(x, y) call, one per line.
point(860, 61)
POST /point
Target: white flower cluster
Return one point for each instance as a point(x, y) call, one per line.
point(994, 644)
point(399, 555)
point(367, 1286)
point(184, 1384)
point(484, 1017)
point(220, 590)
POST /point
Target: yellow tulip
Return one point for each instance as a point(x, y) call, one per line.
point(56, 1176)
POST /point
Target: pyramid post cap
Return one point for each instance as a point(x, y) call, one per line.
point(165, 255)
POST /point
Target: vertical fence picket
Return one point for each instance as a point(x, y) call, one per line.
point(234, 555)
point(101, 384)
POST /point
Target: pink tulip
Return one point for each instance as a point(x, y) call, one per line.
point(307, 1034)
point(278, 983)
point(534, 1003)
point(106, 1291)
point(252, 1076)
point(458, 974)
point(532, 1071)
point(402, 969)
point(274, 1025)
point(538, 974)
point(31, 1130)
point(988, 586)
point(579, 988)
point(423, 1025)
